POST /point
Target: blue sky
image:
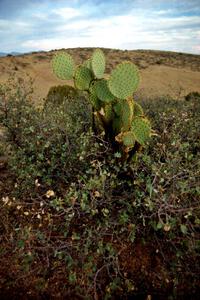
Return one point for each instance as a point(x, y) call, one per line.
point(31, 25)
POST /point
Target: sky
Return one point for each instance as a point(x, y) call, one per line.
point(34, 25)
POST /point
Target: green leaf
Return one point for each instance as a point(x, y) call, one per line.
point(183, 229)
point(159, 225)
point(117, 155)
point(21, 244)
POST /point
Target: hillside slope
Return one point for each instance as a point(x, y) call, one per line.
point(162, 73)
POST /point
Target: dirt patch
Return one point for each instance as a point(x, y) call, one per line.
point(162, 80)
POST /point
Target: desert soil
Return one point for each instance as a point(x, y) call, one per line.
point(162, 73)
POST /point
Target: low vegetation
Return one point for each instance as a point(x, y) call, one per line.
point(77, 222)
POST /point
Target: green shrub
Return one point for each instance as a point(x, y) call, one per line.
point(45, 144)
point(83, 218)
point(57, 95)
point(192, 96)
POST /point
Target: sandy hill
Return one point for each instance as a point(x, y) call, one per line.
point(162, 73)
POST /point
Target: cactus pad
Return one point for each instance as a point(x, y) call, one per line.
point(117, 108)
point(87, 64)
point(63, 66)
point(103, 92)
point(98, 63)
point(124, 80)
point(127, 113)
point(116, 125)
point(141, 129)
point(83, 77)
point(124, 114)
point(138, 111)
point(108, 113)
point(94, 100)
point(96, 103)
point(127, 138)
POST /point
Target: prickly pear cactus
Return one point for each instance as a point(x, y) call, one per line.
point(94, 100)
point(141, 129)
point(138, 111)
point(127, 138)
point(103, 92)
point(127, 113)
point(82, 78)
point(108, 113)
point(87, 64)
point(98, 63)
point(63, 66)
point(124, 80)
point(124, 114)
point(114, 110)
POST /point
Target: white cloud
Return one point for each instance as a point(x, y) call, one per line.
point(67, 12)
point(11, 34)
point(164, 12)
point(40, 15)
point(140, 28)
point(196, 48)
point(10, 27)
point(75, 25)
